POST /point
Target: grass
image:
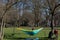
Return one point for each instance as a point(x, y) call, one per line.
point(16, 35)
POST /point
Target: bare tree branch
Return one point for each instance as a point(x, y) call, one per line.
point(9, 7)
point(49, 5)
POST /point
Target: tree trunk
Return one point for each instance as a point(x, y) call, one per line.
point(37, 24)
point(2, 30)
point(52, 20)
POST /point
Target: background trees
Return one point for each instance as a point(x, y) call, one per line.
point(36, 12)
point(24, 8)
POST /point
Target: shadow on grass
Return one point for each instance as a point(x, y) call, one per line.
point(12, 37)
point(42, 38)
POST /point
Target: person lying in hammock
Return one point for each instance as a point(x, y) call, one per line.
point(30, 32)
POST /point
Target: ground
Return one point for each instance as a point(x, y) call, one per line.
point(14, 34)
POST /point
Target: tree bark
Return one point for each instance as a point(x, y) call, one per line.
point(52, 19)
point(2, 30)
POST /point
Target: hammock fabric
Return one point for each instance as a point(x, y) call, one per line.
point(30, 32)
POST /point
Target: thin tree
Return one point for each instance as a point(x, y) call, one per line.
point(51, 11)
point(36, 11)
point(52, 8)
point(6, 9)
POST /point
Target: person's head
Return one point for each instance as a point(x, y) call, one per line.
point(33, 28)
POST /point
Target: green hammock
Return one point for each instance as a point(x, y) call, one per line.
point(30, 32)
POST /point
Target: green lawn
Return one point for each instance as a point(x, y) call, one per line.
point(21, 35)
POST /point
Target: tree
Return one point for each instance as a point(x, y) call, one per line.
point(36, 11)
point(52, 8)
point(6, 8)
